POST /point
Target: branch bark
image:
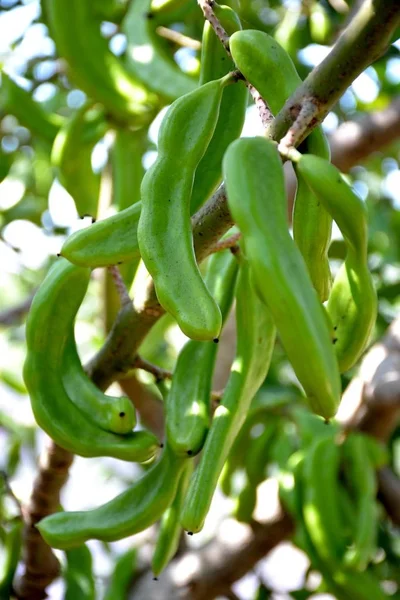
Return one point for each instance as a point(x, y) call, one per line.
point(12, 316)
point(371, 403)
point(363, 41)
point(216, 566)
point(41, 566)
point(355, 141)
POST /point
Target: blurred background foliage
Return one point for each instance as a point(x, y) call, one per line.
point(37, 212)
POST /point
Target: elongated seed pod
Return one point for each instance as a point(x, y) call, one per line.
point(108, 413)
point(271, 70)
point(255, 463)
point(91, 64)
point(164, 232)
point(279, 269)
point(49, 324)
point(124, 570)
point(188, 404)
point(11, 556)
point(362, 481)
point(170, 527)
point(127, 174)
point(72, 153)
point(147, 57)
point(312, 223)
point(215, 63)
point(130, 512)
point(79, 579)
point(321, 502)
point(29, 113)
point(255, 343)
point(106, 242)
point(352, 304)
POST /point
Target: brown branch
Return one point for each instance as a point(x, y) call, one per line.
point(145, 365)
point(41, 566)
point(218, 573)
point(389, 493)
point(149, 407)
point(218, 565)
point(207, 8)
point(229, 242)
point(120, 286)
point(363, 41)
point(13, 315)
point(261, 104)
point(178, 38)
point(371, 403)
point(10, 492)
point(355, 141)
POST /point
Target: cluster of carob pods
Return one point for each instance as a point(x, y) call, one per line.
point(279, 282)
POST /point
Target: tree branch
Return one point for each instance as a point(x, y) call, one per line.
point(363, 41)
point(12, 316)
point(371, 403)
point(41, 566)
point(355, 141)
point(217, 566)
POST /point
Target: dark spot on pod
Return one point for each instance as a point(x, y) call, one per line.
point(334, 340)
point(121, 414)
point(334, 329)
point(158, 380)
point(161, 445)
point(190, 532)
point(190, 452)
point(155, 578)
point(149, 15)
point(216, 340)
point(327, 421)
point(200, 234)
point(93, 220)
point(58, 254)
point(119, 263)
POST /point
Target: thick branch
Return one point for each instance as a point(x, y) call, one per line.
point(41, 567)
point(354, 141)
point(216, 567)
point(371, 403)
point(14, 315)
point(363, 41)
point(220, 572)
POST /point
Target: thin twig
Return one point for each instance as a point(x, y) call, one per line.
point(297, 130)
point(263, 108)
point(13, 315)
point(10, 492)
point(226, 243)
point(145, 365)
point(41, 566)
point(120, 286)
point(178, 38)
point(340, 6)
point(206, 7)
